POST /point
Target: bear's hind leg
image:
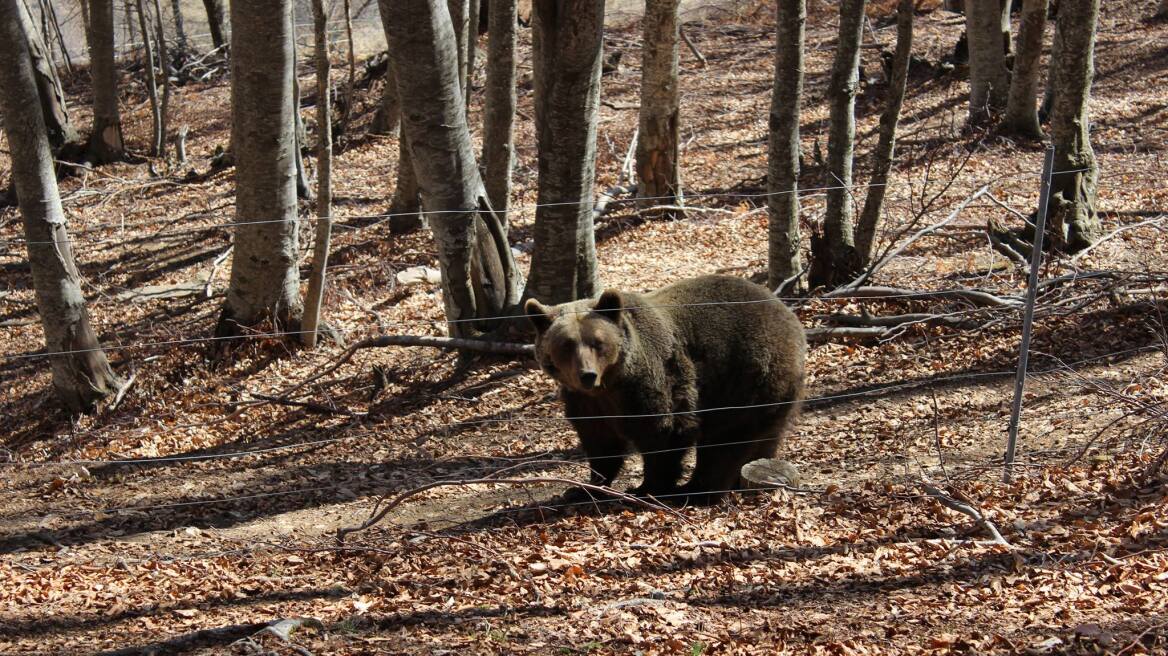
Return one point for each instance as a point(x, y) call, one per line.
point(662, 469)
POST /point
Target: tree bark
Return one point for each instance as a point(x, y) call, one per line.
point(180, 32)
point(387, 118)
point(1072, 214)
point(989, 79)
point(472, 42)
point(834, 257)
point(303, 189)
point(52, 97)
point(164, 67)
point(265, 276)
point(784, 262)
point(324, 190)
point(1021, 106)
point(81, 374)
point(499, 110)
point(479, 277)
point(156, 136)
point(105, 140)
point(406, 207)
point(658, 169)
point(883, 156)
point(216, 22)
point(460, 20)
point(567, 52)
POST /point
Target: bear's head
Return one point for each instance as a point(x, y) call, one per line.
point(579, 344)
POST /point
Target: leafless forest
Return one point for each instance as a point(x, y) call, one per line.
point(267, 387)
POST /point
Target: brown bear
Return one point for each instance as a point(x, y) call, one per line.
point(714, 362)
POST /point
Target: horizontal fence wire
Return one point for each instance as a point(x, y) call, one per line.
point(878, 391)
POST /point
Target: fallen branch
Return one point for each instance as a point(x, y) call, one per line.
point(967, 510)
point(1078, 256)
point(692, 48)
point(972, 296)
point(820, 335)
point(896, 320)
point(380, 510)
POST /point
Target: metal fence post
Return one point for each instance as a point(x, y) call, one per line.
point(1028, 313)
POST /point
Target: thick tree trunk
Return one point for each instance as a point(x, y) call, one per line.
point(883, 156)
point(499, 110)
point(834, 257)
point(1021, 107)
point(479, 278)
point(81, 374)
point(784, 262)
point(156, 136)
point(216, 22)
point(658, 169)
point(324, 190)
point(1072, 214)
point(52, 97)
point(265, 276)
point(105, 140)
point(164, 67)
point(387, 118)
point(180, 32)
point(989, 79)
point(567, 52)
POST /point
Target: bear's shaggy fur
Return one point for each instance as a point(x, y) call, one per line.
point(714, 362)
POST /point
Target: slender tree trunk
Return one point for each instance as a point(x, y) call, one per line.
point(52, 97)
point(216, 22)
point(472, 42)
point(1021, 107)
point(479, 277)
point(351, 87)
point(265, 276)
point(51, 11)
point(658, 169)
point(499, 110)
point(164, 67)
point(156, 137)
point(84, 14)
point(883, 156)
point(324, 164)
point(81, 374)
point(834, 257)
point(405, 208)
point(989, 79)
point(105, 140)
point(303, 190)
point(460, 20)
point(784, 262)
point(1072, 214)
point(568, 48)
point(1051, 69)
point(180, 32)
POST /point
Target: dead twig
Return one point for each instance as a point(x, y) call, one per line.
point(972, 296)
point(692, 47)
point(967, 510)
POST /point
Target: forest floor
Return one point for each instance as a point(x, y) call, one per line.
point(194, 513)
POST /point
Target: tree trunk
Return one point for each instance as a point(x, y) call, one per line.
point(406, 207)
point(105, 140)
point(460, 20)
point(989, 79)
point(387, 118)
point(784, 262)
point(479, 278)
point(216, 22)
point(834, 257)
point(1021, 107)
point(164, 67)
point(265, 276)
point(658, 169)
point(180, 32)
point(499, 110)
point(324, 190)
point(567, 51)
point(52, 97)
point(1047, 106)
point(886, 146)
point(472, 43)
point(303, 189)
point(1072, 214)
point(81, 374)
point(156, 136)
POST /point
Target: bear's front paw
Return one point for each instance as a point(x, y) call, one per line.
point(644, 492)
point(579, 495)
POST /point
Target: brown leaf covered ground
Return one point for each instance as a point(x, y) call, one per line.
point(191, 515)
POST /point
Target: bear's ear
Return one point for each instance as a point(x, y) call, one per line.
point(609, 305)
point(537, 314)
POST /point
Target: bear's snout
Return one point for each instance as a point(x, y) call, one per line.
point(588, 379)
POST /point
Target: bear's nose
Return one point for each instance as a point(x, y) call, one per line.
point(588, 379)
